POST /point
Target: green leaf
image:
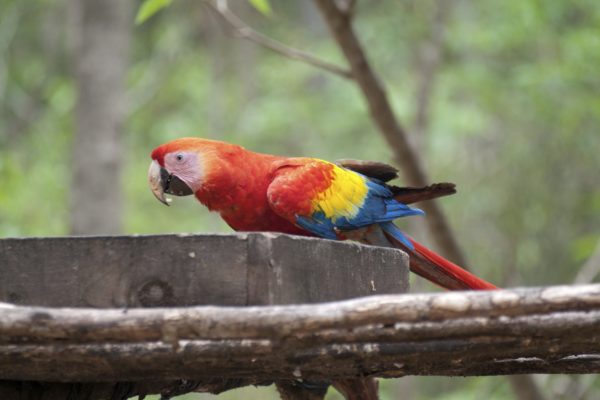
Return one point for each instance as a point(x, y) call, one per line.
point(262, 6)
point(149, 8)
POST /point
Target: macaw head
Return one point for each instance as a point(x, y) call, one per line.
point(182, 166)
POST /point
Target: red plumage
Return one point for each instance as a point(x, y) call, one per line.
point(235, 184)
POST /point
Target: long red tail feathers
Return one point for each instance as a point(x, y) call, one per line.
point(437, 269)
point(452, 270)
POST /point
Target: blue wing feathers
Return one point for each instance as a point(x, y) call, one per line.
point(378, 189)
point(319, 225)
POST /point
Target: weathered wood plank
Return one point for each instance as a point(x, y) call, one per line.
point(458, 333)
point(183, 270)
point(123, 271)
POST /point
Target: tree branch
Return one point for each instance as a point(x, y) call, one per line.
point(460, 333)
point(246, 32)
point(382, 114)
point(41, 324)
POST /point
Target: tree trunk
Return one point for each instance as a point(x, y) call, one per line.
point(103, 30)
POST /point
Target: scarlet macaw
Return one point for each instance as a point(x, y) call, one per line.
point(302, 196)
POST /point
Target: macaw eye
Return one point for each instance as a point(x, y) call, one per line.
point(179, 157)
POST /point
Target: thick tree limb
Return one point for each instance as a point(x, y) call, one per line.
point(499, 309)
point(461, 333)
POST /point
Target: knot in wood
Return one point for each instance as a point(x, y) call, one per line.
point(14, 297)
point(156, 293)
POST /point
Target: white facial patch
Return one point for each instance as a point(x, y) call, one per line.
point(187, 166)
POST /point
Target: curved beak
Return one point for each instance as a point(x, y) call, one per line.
point(156, 182)
point(162, 182)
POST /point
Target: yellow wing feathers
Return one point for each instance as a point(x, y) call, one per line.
point(343, 196)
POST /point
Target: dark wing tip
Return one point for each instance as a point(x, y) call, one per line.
point(385, 173)
point(371, 169)
point(408, 195)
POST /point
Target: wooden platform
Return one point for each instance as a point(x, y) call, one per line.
point(124, 272)
point(174, 314)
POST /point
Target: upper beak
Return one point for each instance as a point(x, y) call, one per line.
point(162, 182)
point(156, 182)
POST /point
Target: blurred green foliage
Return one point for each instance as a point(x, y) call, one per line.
point(148, 8)
point(514, 121)
point(262, 6)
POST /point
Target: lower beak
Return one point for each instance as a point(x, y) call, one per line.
point(156, 182)
point(162, 182)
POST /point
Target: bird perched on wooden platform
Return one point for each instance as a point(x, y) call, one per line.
point(303, 196)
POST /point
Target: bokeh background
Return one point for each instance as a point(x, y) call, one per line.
point(500, 97)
